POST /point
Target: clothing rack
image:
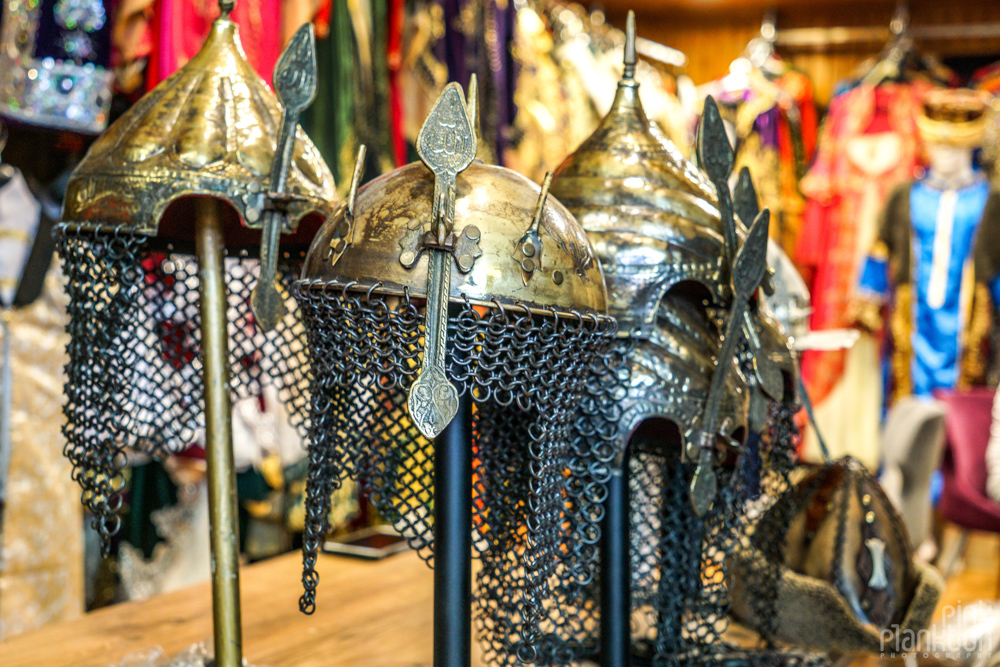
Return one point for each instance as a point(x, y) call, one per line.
point(899, 28)
point(819, 38)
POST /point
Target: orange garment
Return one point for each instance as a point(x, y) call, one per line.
point(868, 144)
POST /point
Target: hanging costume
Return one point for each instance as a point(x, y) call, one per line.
point(935, 267)
point(774, 120)
point(938, 266)
point(41, 580)
point(868, 145)
point(180, 28)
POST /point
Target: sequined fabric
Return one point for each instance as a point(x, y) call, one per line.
point(41, 565)
point(53, 60)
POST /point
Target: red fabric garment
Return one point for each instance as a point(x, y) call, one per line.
point(842, 190)
point(809, 126)
point(395, 52)
point(180, 27)
point(800, 88)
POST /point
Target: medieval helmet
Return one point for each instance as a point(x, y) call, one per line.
point(210, 131)
point(654, 223)
point(650, 214)
point(449, 280)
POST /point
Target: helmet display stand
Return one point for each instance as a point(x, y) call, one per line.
point(150, 360)
point(670, 246)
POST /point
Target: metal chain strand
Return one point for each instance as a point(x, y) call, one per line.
point(777, 458)
point(134, 380)
point(771, 487)
point(682, 565)
point(545, 391)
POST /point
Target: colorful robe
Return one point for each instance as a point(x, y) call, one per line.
point(868, 145)
point(934, 274)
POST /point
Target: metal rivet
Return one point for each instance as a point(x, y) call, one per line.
point(407, 258)
point(472, 233)
point(528, 249)
point(253, 215)
point(465, 262)
point(557, 277)
point(528, 265)
point(870, 517)
point(866, 499)
point(343, 229)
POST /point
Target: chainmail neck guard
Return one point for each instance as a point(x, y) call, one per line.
point(544, 432)
point(134, 380)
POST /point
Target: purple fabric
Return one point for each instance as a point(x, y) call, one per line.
point(766, 127)
point(963, 500)
point(457, 49)
point(502, 70)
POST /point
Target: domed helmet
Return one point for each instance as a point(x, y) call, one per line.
point(209, 132)
point(211, 129)
point(654, 220)
point(651, 215)
point(450, 280)
point(668, 253)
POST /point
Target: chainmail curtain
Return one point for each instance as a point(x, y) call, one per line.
point(777, 455)
point(134, 377)
point(680, 562)
point(545, 391)
point(560, 627)
point(682, 565)
point(765, 519)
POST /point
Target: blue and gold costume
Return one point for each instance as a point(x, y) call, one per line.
point(935, 273)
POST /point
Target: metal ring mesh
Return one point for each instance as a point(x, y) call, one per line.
point(134, 376)
point(545, 391)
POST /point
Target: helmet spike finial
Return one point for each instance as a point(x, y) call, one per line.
point(630, 57)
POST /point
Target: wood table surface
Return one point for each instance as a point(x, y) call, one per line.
point(368, 613)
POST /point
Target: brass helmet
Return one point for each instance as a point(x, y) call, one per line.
point(514, 246)
point(449, 281)
point(213, 130)
point(199, 133)
point(651, 214)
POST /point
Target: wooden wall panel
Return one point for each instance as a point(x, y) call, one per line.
point(714, 32)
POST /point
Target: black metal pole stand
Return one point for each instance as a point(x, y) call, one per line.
point(453, 540)
point(616, 599)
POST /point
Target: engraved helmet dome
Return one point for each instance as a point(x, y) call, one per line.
point(510, 243)
point(650, 213)
point(210, 129)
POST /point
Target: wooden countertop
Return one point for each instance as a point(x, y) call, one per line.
point(368, 613)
